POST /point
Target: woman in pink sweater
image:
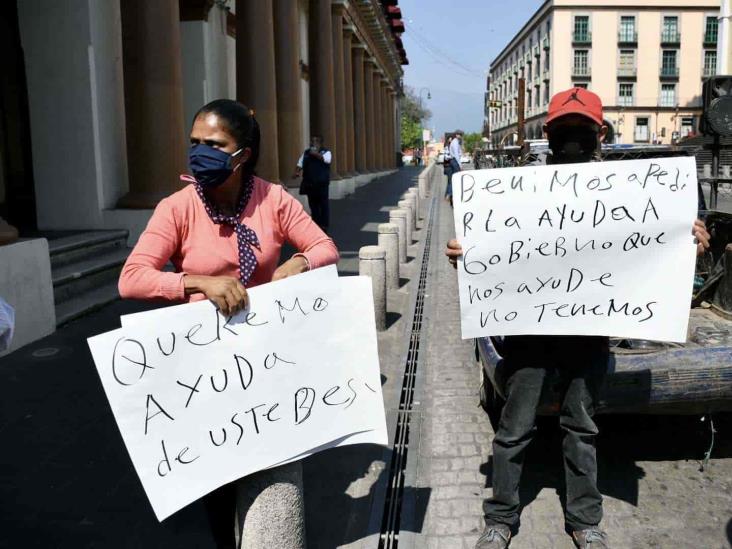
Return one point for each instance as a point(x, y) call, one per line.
point(224, 231)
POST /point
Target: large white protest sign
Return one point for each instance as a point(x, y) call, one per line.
point(202, 401)
point(578, 249)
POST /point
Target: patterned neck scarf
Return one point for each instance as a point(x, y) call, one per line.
point(245, 237)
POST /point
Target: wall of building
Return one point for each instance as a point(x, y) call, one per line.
point(604, 61)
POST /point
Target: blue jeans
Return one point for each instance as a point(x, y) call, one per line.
point(452, 168)
point(581, 363)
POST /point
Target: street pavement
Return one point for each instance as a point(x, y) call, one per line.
point(655, 494)
point(66, 480)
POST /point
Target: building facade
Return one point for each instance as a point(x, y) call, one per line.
point(97, 97)
point(645, 59)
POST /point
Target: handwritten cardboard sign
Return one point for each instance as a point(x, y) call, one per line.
point(577, 249)
point(201, 400)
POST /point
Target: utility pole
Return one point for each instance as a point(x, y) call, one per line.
point(521, 105)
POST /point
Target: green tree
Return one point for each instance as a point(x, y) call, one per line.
point(411, 133)
point(413, 114)
point(470, 141)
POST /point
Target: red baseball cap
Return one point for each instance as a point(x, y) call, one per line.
point(575, 101)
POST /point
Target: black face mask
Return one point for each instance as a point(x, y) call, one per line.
point(573, 144)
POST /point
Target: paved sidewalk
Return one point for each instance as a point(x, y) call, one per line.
point(66, 480)
point(649, 471)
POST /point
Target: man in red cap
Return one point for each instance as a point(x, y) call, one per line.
point(575, 129)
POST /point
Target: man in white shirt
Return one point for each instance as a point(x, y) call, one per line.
point(314, 166)
point(456, 151)
point(456, 147)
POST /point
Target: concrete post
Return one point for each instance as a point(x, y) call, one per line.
point(410, 197)
point(270, 509)
point(389, 241)
point(399, 218)
point(415, 192)
point(372, 263)
point(406, 205)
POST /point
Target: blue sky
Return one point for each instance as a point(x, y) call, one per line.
point(450, 44)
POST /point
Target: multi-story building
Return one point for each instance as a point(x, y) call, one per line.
point(646, 59)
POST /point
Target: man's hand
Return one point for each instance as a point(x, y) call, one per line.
point(701, 235)
point(453, 251)
point(291, 267)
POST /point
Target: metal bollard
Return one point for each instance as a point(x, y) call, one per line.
point(406, 205)
point(389, 241)
point(399, 218)
point(372, 263)
point(270, 509)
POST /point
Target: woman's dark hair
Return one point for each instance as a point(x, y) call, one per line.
point(240, 122)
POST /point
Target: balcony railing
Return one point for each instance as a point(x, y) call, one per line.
point(669, 72)
point(624, 101)
point(627, 72)
point(545, 42)
point(710, 38)
point(582, 37)
point(581, 71)
point(670, 37)
point(709, 71)
point(627, 37)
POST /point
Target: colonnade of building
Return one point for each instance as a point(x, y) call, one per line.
point(353, 85)
point(108, 84)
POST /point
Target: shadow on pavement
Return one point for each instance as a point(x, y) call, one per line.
point(624, 440)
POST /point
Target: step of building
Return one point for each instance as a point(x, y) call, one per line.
point(85, 270)
point(85, 303)
point(70, 249)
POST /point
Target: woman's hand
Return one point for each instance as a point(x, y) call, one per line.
point(227, 293)
point(291, 267)
point(701, 235)
point(453, 251)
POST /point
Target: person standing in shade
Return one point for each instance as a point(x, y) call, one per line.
point(447, 169)
point(314, 166)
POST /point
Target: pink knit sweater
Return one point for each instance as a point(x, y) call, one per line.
point(181, 231)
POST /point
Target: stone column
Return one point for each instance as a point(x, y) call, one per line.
point(369, 105)
point(256, 81)
point(156, 134)
point(349, 81)
point(385, 124)
point(394, 140)
point(339, 89)
point(390, 129)
point(359, 109)
point(289, 95)
point(378, 124)
point(322, 97)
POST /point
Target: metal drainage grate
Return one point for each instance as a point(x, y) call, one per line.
point(389, 538)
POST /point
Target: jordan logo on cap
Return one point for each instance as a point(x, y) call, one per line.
point(574, 97)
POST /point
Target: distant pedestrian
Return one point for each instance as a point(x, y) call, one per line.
point(418, 157)
point(456, 153)
point(447, 168)
point(314, 166)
